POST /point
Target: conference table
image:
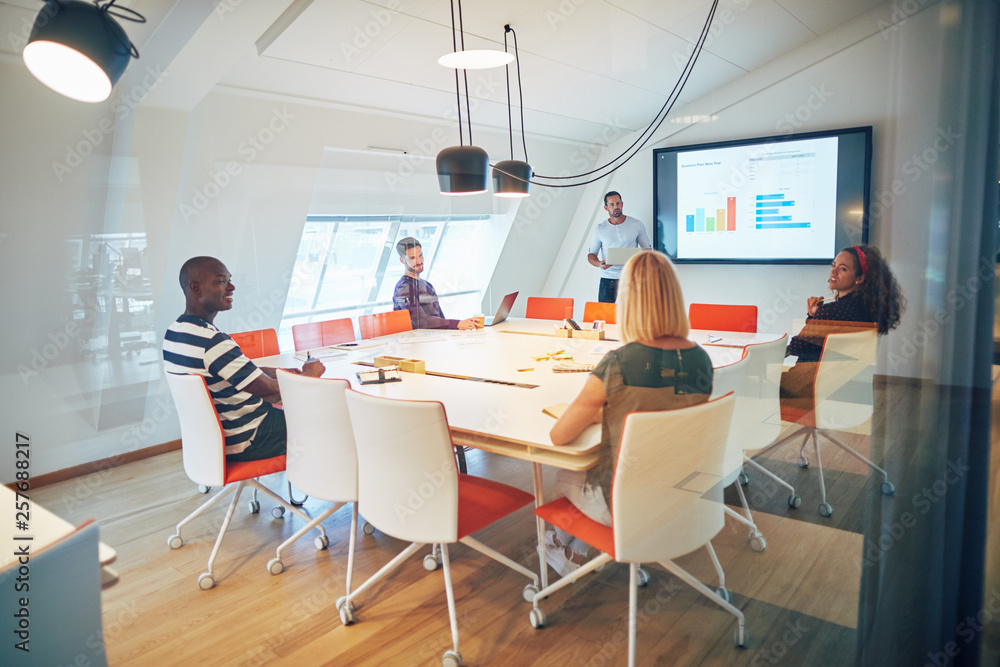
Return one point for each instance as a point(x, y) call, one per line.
point(494, 384)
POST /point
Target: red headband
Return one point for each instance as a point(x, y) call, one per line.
point(861, 259)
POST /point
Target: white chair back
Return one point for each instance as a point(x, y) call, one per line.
point(666, 497)
point(760, 413)
point(321, 460)
point(843, 389)
point(732, 378)
point(407, 476)
point(202, 441)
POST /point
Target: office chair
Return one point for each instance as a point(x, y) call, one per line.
point(546, 308)
point(758, 433)
point(666, 501)
point(409, 488)
point(732, 379)
point(256, 344)
point(322, 459)
point(311, 335)
point(383, 324)
point(203, 448)
point(842, 399)
point(723, 317)
point(594, 310)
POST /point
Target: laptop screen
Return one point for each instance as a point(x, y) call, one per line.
point(504, 310)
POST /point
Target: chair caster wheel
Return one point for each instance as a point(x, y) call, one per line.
point(430, 563)
point(275, 566)
point(758, 543)
point(254, 507)
point(367, 528)
point(451, 659)
point(537, 618)
point(825, 509)
point(321, 542)
point(346, 610)
point(175, 541)
point(803, 461)
point(741, 637)
point(887, 488)
point(744, 478)
point(724, 593)
point(206, 581)
point(278, 512)
point(642, 577)
point(794, 501)
point(529, 593)
point(204, 489)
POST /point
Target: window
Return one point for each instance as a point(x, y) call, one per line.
point(347, 265)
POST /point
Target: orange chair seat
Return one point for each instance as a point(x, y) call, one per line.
point(565, 515)
point(237, 471)
point(483, 501)
point(803, 416)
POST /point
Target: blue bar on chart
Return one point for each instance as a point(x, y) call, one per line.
point(767, 211)
point(690, 223)
point(774, 218)
point(764, 197)
point(699, 219)
point(783, 225)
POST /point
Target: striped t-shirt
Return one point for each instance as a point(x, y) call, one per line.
point(194, 346)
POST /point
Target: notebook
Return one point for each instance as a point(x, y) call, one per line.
point(503, 311)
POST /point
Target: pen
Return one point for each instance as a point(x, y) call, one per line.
point(348, 344)
point(309, 357)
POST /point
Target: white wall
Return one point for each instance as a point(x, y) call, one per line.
point(858, 74)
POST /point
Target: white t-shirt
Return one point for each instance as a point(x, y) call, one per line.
point(631, 233)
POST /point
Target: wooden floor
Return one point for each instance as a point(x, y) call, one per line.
point(800, 596)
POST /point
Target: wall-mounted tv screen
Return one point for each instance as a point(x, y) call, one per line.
point(793, 199)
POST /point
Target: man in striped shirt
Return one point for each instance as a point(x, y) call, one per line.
point(254, 428)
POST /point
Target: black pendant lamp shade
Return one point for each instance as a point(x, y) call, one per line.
point(462, 170)
point(511, 178)
point(77, 49)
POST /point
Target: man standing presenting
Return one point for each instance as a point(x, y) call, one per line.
point(415, 294)
point(618, 231)
point(254, 428)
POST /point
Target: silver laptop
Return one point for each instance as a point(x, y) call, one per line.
point(620, 255)
point(503, 311)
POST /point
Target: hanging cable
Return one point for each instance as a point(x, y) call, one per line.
point(650, 130)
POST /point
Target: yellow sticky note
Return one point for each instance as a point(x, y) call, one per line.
point(540, 357)
point(523, 369)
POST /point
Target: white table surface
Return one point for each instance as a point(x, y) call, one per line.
point(501, 417)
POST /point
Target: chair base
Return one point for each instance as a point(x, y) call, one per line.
point(824, 508)
point(346, 604)
point(175, 541)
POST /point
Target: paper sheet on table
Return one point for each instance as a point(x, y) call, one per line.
point(420, 338)
point(602, 349)
point(320, 353)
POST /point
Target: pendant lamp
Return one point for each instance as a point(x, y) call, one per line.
point(78, 49)
point(512, 178)
point(462, 170)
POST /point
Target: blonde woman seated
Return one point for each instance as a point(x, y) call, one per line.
point(658, 368)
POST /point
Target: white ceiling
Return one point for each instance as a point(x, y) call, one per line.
point(586, 64)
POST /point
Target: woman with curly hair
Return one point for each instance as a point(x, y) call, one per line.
point(866, 291)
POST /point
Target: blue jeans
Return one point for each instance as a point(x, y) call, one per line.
point(608, 291)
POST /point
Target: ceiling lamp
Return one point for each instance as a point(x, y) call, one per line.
point(512, 178)
point(462, 170)
point(78, 50)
